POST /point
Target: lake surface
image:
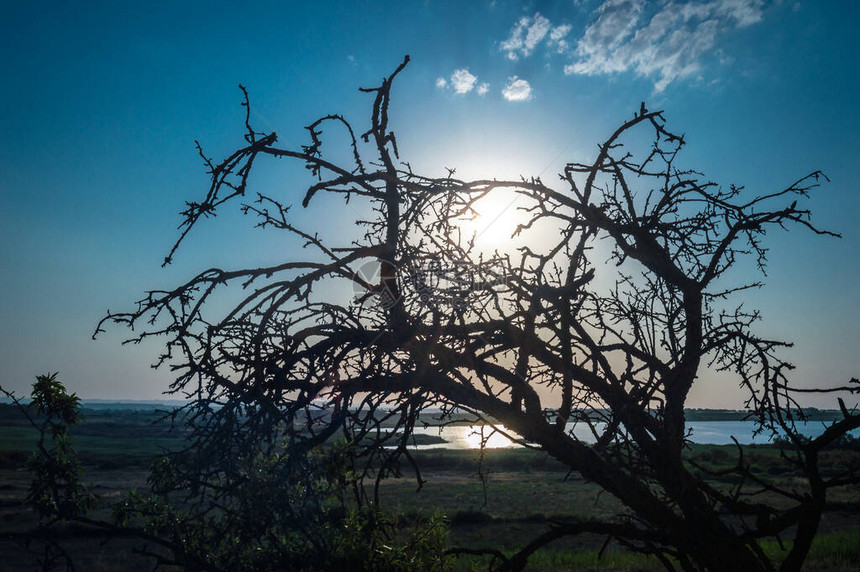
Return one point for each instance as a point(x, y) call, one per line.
point(704, 432)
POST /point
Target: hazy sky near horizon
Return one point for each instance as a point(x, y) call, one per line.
point(102, 102)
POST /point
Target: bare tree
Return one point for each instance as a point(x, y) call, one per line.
point(607, 325)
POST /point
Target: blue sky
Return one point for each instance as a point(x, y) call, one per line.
point(101, 104)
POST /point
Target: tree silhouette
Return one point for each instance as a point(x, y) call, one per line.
point(607, 324)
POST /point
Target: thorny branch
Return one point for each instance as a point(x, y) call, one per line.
point(506, 335)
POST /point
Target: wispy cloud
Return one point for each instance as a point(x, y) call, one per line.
point(557, 38)
point(665, 41)
point(615, 24)
point(526, 34)
point(483, 88)
point(667, 45)
point(517, 90)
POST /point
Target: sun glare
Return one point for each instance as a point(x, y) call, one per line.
point(495, 220)
point(483, 433)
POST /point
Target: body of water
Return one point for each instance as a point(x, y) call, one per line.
point(703, 432)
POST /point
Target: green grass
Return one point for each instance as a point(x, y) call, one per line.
point(579, 560)
point(102, 441)
point(837, 551)
point(591, 560)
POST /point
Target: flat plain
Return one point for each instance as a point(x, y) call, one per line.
point(520, 493)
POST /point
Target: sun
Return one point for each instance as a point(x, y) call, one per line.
point(494, 220)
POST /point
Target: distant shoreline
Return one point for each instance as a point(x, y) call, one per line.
point(692, 414)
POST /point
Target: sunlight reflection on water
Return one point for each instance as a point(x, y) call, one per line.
point(704, 432)
point(467, 437)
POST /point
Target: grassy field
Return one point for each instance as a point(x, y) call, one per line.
point(523, 489)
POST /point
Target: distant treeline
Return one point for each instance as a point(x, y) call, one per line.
point(114, 421)
point(808, 413)
point(151, 409)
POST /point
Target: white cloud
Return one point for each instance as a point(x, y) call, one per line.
point(615, 23)
point(462, 81)
point(526, 34)
point(665, 44)
point(557, 38)
point(744, 12)
point(559, 32)
point(517, 90)
point(536, 32)
point(514, 43)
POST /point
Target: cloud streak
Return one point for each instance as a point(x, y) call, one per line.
point(664, 42)
point(665, 45)
point(526, 34)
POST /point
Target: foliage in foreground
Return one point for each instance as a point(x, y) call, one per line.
point(271, 514)
point(275, 514)
point(56, 490)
